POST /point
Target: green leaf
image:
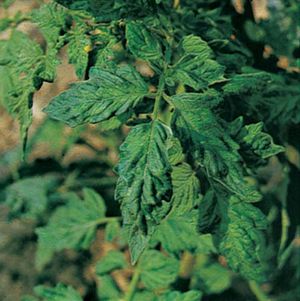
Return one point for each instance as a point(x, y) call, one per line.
point(192, 295)
point(21, 60)
point(112, 230)
point(79, 47)
point(186, 189)
point(51, 20)
point(59, 293)
point(240, 238)
point(257, 143)
point(195, 68)
point(246, 83)
point(72, 226)
point(142, 43)
point(107, 289)
point(106, 94)
point(157, 270)
point(145, 296)
point(114, 260)
point(178, 233)
point(196, 125)
point(211, 277)
point(28, 197)
point(144, 184)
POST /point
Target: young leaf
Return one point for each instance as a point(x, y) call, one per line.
point(114, 260)
point(157, 270)
point(59, 293)
point(106, 94)
point(71, 226)
point(144, 184)
point(194, 67)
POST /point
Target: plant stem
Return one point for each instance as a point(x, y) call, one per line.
point(257, 291)
point(133, 284)
point(158, 97)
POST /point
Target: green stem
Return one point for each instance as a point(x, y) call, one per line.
point(257, 291)
point(133, 284)
point(159, 94)
point(285, 224)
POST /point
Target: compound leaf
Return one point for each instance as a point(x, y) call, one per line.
point(197, 126)
point(144, 184)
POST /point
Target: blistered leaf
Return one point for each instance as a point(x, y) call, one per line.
point(195, 68)
point(21, 60)
point(113, 260)
point(142, 43)
point(79, 47)
point(72, 226)
point(240, 238)
point(195, 123)
point(106, 94)
point(51, 20)
point(59, 293)
point(186, 189)
point(144, 185)
point(157, 270)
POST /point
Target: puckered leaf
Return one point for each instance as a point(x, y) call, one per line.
point(197, 126)
point(240, 237)
point(78, 47)
point(195, 68)
point(186, 188)
point(192, 295)
point(29, 197)
point(113, 260)
point(58, 293)
point(257, 145)
point(51, 19)
point(21, 61)
point(72, 226)
point(157, 270)
point(144, 185)
point(106, 94)
point(141, 42)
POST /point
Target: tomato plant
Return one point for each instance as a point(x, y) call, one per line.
point(190, 96)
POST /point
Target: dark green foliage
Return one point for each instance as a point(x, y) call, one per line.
point(199, 113)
